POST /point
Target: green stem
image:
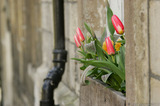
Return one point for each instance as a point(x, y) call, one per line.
point(81, 48)
point(122, 37)
point(112, 38)
point(113, 59)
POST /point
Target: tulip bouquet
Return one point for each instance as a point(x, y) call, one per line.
point(104, 58)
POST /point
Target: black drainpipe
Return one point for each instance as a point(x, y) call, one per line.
point(60, 54)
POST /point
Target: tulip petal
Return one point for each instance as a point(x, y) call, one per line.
point(80, 34)
point(110, 49)
point(117, 24)
point(77, 41)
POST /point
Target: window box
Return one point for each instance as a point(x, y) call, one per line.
point(97, 94)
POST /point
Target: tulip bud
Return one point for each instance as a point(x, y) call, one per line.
point(77, 41)
point(118, 26)
point(110, 49)
point(80, 34)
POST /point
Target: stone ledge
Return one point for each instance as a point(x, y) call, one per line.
point(65, 97)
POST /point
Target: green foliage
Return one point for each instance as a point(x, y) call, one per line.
point(121, 41)
point(108, 68)
point(103, 36)
point(109, 21)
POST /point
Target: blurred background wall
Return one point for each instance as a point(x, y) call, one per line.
point(27, 41)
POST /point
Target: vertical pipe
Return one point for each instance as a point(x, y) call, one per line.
point(54, 76)
point(58, 6)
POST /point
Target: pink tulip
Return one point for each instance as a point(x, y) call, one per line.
point(77, 41)
point(109, 44)
point(80, 34)
point(118, 26)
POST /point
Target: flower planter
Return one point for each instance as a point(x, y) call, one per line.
point(97, 94)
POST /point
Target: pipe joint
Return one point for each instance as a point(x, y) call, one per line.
point(60, 56)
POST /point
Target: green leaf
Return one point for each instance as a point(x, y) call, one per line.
point(123, 84)
point(89, 40)
point(88, 28)
point(98, 46)
point(87, 82)
point(109, 57)
point(114, 81)
point(99, 50)
point(88, 56)
point(109, 21)
point(91, 72)
point(106, 64)
point(84, 67)
point(105, 70)
point(90, 31)
point(122, 50)
point(113, 84)
point(77, 59)
point(122, 58)
point(117, 79)
point(121, 41)
point(103, 36)
point(120, 62)
point(112, 38)
point(99, 75)
point(90, 47)
point(123, 87)
point(105, 77)
point(117, 58)
point(83, 53)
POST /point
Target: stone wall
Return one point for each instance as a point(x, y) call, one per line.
point(26, 44)
point(154, 24)
point(142, 47)
point(77, 12)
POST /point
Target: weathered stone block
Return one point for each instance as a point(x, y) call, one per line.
point(47, 17)
point(155, 86)
point(69, 76)
point(92, 12)
point(154, 26)
point(77, 77)
point(72, 66)
point(71, 20)
point(65, 78)
point(66, 20)
point(137, 51)
point(70, 0)
point(47, 47)
point(65, 96)
point(97, 94)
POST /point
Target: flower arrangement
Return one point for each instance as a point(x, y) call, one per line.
point(103, 59)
